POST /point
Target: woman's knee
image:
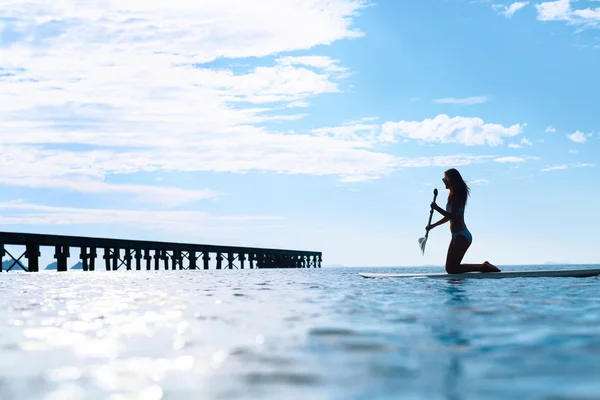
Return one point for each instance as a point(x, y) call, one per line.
point(452, 261)
point(452, 268)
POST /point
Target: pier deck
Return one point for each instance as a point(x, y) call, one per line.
point(147, 255)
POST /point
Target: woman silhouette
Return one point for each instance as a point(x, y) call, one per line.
point(461, 237)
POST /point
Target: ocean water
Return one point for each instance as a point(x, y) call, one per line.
point(296, 334)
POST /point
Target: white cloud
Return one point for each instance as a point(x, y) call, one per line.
point(35, 214)
point(201, 31)
point(578, 137)
point(298, 104)
point(509, 11)
point(561, 10)
point(365, 133)
point(553, 10)
point(444, 129)
point(163, 195)
point(361, 120)
point(565, 166)
point(551, 129)
point(479, 182)
point(441, 161)
point(144, 99)
point(319, 62)
point(464, 101)
point(554, 168)
point(514, 146)
point(526, 142)
point(509, 159)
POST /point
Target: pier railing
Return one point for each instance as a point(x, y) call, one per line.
point(146, 255)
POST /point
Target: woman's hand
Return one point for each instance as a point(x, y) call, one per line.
point(429, 227)
point(433, 205)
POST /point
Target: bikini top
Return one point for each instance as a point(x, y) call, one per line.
point(460, 211)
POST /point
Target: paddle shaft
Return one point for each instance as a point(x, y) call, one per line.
point(435, 193)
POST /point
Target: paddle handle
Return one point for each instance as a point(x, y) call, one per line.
point(435, 193)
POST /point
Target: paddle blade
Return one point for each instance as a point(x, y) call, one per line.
point(422, 243)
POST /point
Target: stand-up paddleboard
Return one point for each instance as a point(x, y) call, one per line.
point(580, 273)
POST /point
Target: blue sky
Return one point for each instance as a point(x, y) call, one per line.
point(317, 125)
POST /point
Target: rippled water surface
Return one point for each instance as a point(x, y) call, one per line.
point(297, 334)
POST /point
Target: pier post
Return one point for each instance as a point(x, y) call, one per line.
point(165, 257)
point(128, 258)
point(219, 260)
point(192, 258)
point(1, 255)
point(251, 258)
point(205, 258)
point(138, 259)
point(230, 259)
point(174, 259)
point(148, 259)
point(107, 258)
point(83, 256)
point(319, 260)
point(61, 254)
point(242, 258)
point(32, 253)
point(157, 256)
point(177, 259)
point(93, 255)
point(116, 257)
point(180, 258)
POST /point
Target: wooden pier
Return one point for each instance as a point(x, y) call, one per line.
point(145, 255)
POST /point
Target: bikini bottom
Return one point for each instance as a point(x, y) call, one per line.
point(465, 232)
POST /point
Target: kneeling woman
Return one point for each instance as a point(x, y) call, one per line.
point(461, 237)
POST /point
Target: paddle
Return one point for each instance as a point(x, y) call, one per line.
point(423, 240)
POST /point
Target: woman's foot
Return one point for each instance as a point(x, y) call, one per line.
point(487, 267)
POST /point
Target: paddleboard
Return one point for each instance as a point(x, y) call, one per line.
point(494, 275)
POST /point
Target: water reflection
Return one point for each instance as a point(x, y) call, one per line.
point(455, 291)
point(452, 336)
point(314, 334)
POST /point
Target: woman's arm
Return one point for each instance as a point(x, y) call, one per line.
point(446, 214)
point(440, 222)
point(439, 209)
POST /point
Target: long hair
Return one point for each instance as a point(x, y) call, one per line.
point(458, 187)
